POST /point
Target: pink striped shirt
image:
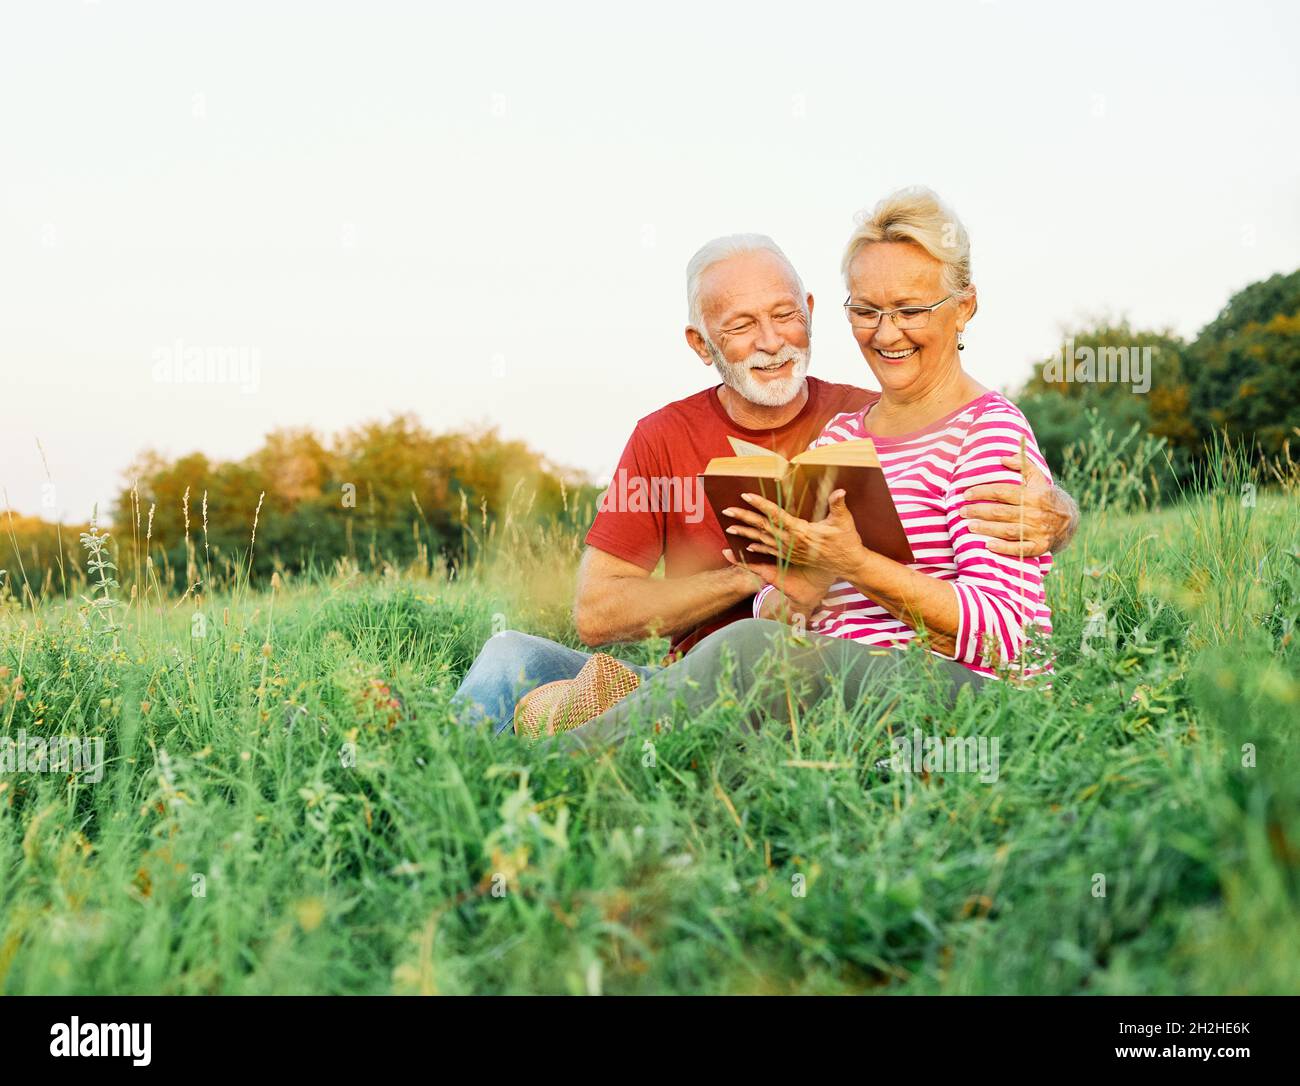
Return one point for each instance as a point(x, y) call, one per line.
point(999, 599)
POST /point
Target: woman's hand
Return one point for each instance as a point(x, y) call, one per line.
point(832, 544)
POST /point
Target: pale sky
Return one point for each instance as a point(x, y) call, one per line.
point(483, 213)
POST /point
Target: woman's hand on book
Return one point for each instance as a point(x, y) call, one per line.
point(831, 545)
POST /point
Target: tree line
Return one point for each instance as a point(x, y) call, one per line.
point(1239, 377)
point(393, 492)
point(385, 492)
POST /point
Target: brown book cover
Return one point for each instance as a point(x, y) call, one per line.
point(803, 485)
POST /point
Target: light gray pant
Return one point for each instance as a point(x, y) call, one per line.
point(777, 669)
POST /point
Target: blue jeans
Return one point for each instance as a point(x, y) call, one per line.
point(510, 665)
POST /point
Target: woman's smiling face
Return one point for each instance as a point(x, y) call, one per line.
point(890, 274)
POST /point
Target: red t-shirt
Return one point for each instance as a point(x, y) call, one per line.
point(655, 506)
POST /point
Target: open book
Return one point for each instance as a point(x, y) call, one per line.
point(802, 485)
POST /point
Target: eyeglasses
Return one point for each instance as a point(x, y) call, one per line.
point(908, 316)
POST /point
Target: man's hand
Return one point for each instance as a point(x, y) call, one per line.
point(617, 600)
point(831, 544)
point(1049, 513)
point(803, 586)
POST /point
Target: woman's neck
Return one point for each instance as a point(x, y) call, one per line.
point(901, 412)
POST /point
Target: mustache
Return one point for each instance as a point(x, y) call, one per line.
point(787, 353)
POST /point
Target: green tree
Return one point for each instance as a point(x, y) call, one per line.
point(387, 490)
point(1245, 365)
point(1150, 389)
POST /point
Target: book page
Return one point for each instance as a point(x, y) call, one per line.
point(861, 452)
point(762, 467)
point(747, 448)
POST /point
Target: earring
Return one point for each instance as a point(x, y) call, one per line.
point(960, 345)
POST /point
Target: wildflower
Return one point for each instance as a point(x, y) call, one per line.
point(310, 912)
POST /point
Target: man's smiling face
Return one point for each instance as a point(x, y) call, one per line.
point(758, 326)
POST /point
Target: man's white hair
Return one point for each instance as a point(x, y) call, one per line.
point(711, 252)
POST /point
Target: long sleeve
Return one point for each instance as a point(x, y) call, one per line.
point(1000, 599)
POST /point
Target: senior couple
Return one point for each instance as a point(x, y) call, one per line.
point(981, 522)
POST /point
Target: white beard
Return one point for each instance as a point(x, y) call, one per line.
point(737, 375)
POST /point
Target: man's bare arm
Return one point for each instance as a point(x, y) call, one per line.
point(617, 600)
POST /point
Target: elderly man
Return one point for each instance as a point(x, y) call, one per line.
point(751, 318)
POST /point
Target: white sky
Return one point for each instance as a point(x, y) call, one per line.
point(485, 214)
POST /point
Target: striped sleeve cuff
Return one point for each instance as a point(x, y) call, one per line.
point(966, 641)
point(966, 649)
point(763, 593)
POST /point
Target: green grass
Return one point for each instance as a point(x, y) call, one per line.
point(226, 760)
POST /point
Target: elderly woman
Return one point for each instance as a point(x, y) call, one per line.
point(937, 432)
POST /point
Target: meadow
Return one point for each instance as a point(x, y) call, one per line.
point(288, 805)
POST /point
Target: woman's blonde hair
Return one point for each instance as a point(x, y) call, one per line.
point(916, 215)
